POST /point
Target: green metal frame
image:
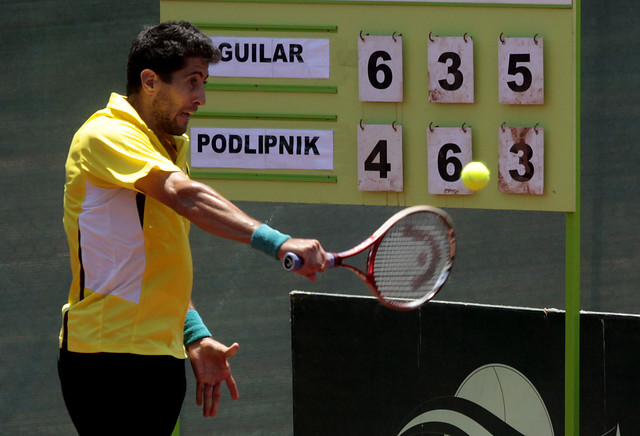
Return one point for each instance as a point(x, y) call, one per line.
point(221, 175)
point(249, 87)
point(265, 116)
point(572, 219)
point(400, 2)
point(572, 271)
point(267, 27)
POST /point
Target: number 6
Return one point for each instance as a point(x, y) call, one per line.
point(380, 68)
point(444, 161)
point(373, 68)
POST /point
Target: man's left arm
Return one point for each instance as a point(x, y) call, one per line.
point(209, 361)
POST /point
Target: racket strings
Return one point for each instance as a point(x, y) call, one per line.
point(412, 258)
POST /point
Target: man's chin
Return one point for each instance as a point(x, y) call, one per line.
point(177, 130)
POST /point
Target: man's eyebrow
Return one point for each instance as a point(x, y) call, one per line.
point(201, 74)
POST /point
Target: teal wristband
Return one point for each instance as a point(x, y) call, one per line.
point(268, 240)
point(194, 328)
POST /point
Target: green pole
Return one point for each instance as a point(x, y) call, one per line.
point(572, 326)
point(176, 430)
point(572, 268)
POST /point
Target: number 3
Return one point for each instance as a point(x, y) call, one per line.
point(453, 70)
point(525, 153)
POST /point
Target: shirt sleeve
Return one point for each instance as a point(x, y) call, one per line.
point(117, 154)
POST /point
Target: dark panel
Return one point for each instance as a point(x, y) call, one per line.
point(362, 369)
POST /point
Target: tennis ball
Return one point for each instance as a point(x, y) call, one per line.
point(475, 176)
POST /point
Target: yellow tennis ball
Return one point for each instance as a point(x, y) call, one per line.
point(475, 176)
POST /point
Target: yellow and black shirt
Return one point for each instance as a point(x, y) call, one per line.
point(130, 255)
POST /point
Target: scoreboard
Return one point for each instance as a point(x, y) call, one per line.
point(384, 102)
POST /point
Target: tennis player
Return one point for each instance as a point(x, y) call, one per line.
point(129, 322)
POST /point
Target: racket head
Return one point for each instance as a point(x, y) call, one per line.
point(412, 257)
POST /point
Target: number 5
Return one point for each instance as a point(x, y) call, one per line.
point(521, 70)
point(514, 69)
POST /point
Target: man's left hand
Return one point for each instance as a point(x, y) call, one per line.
point(209, 362)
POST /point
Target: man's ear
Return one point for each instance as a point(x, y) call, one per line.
point(149, 79)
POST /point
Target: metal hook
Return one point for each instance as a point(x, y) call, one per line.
point(501, 38)
point(393, 125)
point(463, 129)
point(534, 39)
point(502, 125)
point(361, 35)
point(431, 128)
point(394, 36)
point(361, 126)
point(465, 36)
point(430, 38)
point(535, 128)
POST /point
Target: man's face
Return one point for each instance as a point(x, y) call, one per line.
point(176, 101)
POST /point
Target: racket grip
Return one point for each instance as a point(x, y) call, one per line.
point(293, 262)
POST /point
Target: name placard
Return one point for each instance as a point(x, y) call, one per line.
point(262, 148)
point(272, 57)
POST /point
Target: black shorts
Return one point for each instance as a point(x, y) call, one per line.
point(123, 394)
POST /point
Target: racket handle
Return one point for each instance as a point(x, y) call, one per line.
point(293, 262)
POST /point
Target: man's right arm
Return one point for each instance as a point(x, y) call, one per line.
point(199, 203)
point(212, 212)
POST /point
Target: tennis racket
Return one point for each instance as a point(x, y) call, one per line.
point(410, 257)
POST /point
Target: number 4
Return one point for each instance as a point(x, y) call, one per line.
point(380, 157)
point(382, 166)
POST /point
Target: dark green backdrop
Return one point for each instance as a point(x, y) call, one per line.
point(61, 59)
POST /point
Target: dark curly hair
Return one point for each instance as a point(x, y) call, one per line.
point(163, 48)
